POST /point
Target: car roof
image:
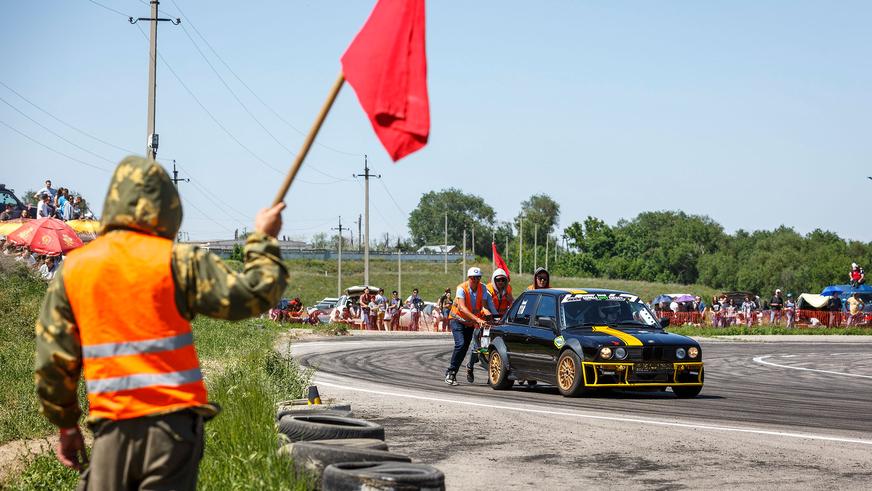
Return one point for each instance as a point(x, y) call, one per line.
point(559, 291)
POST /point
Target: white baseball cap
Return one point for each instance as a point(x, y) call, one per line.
point(473, 271)
point(854, 265)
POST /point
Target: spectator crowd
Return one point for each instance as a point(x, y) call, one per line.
point(57, 203)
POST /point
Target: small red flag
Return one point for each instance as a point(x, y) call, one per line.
point(498, 261)
point(386, 65)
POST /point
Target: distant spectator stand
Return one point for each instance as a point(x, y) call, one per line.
point(48, 236)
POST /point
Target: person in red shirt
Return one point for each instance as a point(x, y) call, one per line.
point(857, 276)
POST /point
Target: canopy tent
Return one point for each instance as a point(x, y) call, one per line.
point(811, 300)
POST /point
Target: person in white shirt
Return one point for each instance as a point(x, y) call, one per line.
point(48, 268)
point(44, 208)
point(50, 191)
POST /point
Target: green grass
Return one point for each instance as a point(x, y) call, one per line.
point(313, 280)
point(20, 297)
point(766, 330)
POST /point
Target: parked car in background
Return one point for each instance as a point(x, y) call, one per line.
point(7, 197)
point(324, 308)
point(346, 309)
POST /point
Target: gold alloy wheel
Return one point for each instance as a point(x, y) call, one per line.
point(566, 373)
point(496, 368)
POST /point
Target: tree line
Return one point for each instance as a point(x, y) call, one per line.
point(658, 246)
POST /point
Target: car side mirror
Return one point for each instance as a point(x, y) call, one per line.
point(664, 322)
point(548, 322)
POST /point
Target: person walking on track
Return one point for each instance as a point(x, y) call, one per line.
point(467, 313)
point(119, 313)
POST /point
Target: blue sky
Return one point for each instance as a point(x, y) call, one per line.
point(755, 113)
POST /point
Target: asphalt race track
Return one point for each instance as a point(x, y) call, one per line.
point(771, 403)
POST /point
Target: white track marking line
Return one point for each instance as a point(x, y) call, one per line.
point(762, 361)
point(695, 426)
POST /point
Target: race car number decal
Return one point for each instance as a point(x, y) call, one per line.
point(522, 306)
point(625, 297)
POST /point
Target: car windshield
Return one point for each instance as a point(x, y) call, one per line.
point(611, 309)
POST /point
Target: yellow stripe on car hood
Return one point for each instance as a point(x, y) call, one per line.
point(628, 339)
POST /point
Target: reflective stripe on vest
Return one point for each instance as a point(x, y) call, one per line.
point(138, 352)
point(467, 294)
point(138, 347)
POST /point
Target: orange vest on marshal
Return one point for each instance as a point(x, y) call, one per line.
point(467, 299)
point(138, 355)
point(501, 303)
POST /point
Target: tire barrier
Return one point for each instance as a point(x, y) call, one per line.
point(353, 476)
point(327, 427)
point(301, 407)
point(313, 458)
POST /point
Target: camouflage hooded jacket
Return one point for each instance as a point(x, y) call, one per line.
point(142, 199)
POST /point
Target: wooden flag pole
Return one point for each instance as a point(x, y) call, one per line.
point(310, 138)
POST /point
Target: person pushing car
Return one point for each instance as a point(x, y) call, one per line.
point(501, 293)
point(119, 313)
point(466, 313)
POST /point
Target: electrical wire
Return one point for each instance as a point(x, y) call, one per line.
point(54, 150)
point(391, 196)
point(109, 8)
point(19, 111)
point(68, 125)
point(218, 123)
point(245, 107)
point(276, 113)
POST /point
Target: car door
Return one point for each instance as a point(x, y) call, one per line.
point(541, 351)
point(518, 331)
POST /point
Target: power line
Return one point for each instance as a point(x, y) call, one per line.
point(109, 8)
point(59, 120)
point(245, 107)
point(53, 133)
point(391, 196)
point(54, 150)
point(217, 122)
point(227, 66)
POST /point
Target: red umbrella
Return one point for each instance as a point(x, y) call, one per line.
point(46, 236)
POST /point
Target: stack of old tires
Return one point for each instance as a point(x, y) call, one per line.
point(345, 453)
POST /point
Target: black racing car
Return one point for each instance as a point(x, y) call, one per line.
point(588, 339)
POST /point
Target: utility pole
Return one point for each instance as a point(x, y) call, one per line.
point(445, 248)
point(535, 247)
point(359, 233)
point(493, 244)
point(366, 175)
point(152, 140)
point(464, 252)
point(472, 225)
point(340, 228)
point(521, 248)
point(546, 252)
point(399, 273)
point(176, 180)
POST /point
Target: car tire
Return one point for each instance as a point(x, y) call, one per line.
point(570, 380)
point(497, 373)
point(390, 475)
point(327, 427)
point(315, 457)
point(687, 392)
point(302, 407)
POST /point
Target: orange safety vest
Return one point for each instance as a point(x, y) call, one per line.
point(467, 298)
point(500, 302)
point(138, 353)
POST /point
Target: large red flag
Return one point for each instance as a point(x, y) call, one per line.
point(386, 64)
point(498, 261)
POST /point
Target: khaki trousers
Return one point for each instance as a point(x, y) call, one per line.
point(148, 453)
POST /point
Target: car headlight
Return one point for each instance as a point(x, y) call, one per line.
point(680, 353)
point(605, 352)
point(620, 353)
point(693, 352)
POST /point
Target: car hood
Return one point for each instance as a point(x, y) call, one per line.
point(631, 336)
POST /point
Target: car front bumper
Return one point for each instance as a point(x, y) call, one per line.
point(632, 374)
